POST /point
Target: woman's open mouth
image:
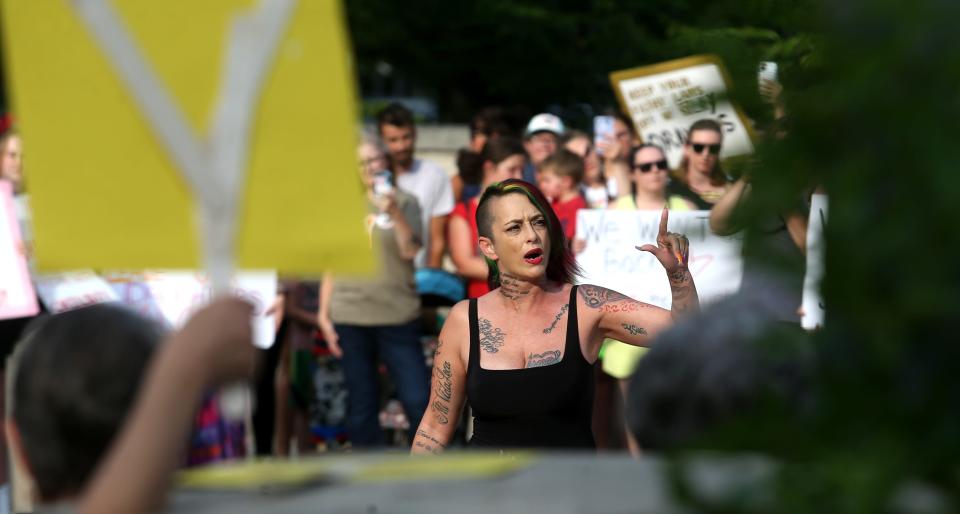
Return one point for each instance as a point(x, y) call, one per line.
point(534, 256)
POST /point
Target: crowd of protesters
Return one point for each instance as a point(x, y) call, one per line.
point(506, 218)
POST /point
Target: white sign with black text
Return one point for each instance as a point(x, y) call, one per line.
point(664, 99)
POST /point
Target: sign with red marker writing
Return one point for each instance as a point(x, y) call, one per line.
point(67, 291)
point(610, 259)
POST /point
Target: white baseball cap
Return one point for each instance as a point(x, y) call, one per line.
point(544, 122)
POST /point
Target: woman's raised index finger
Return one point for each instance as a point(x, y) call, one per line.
point(663, 222)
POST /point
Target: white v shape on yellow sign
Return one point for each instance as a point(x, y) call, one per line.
point(160, 132)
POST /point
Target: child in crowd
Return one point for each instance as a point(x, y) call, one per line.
point(102, 412)
point(596, 189)
point(560, 176)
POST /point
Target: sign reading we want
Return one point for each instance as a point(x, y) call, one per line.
point(610, 259)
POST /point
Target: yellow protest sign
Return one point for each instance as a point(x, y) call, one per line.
point(136, 114)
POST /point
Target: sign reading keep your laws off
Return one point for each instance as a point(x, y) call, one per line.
point(664, 99)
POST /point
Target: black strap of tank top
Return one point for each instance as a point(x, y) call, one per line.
point(474, 335)
point(573, 327)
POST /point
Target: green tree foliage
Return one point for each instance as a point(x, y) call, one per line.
point(872, 115)
point(472, 53)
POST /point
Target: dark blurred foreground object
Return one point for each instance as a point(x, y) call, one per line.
point(714, 368)
point(874, 114)
point(77, 375)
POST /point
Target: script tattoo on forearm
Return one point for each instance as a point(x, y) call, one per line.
point(684, 292)
point(431, 444)
point(538, 360)
point(556, 320)
point(634, 330)
point(609, 301)
point(596, 297)
point(512, 287)
point(491, 338)
point(443, 388)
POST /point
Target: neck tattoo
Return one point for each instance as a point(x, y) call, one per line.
point(513, 288)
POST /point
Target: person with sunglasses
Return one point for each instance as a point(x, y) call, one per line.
point(648, 177)
point(699, 178)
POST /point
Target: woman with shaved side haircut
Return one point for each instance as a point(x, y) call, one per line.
point(522, 354)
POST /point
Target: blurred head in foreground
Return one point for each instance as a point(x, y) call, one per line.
point(709, 371)
point(76, 376)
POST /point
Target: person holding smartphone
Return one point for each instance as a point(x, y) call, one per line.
point(363, 319)
point(614, 136)
point(770, 88)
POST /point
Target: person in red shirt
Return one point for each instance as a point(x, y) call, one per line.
point(560, 176)
point(501, 158)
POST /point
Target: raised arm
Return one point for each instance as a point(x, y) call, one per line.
point(448, 385)
point(722, 212)
point(407, 239)
point(213, 348)
point(673, 252)
point(617, 316)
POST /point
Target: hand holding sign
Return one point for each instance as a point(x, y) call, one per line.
point(221, 121)
point(672, 250)
point(218, 339)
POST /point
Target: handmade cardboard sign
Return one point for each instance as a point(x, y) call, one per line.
point(664, 99)
point(183, 134)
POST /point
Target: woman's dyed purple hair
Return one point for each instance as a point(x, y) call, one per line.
point(561, 263)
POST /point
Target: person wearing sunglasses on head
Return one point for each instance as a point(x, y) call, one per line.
point(699, 178)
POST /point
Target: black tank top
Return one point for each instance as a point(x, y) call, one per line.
point(542, 407)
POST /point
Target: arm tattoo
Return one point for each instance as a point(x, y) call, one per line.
point(491, 338)
point(684, 292)
point(538, 360)
point(432, 445)
point(430, 437)
point(428, 447)
point(443, 387)
point(596, 296)
point(557, 319)
point(679, 284)
point(634, 330)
